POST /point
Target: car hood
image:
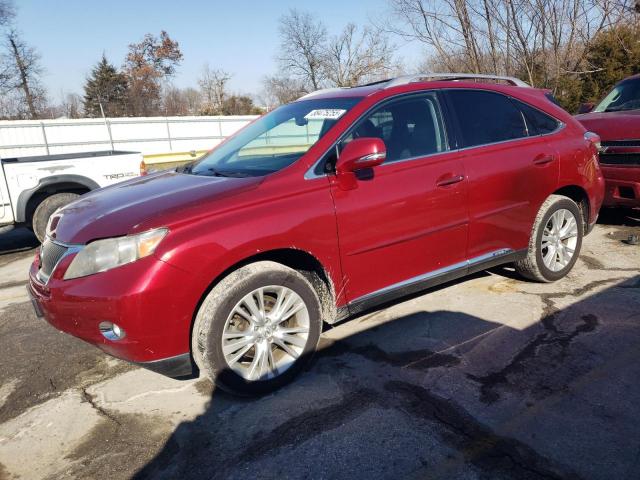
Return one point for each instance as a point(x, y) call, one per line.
point(142, 203)
point(613, 125)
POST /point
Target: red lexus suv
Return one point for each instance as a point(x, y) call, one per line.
point(323, 208)
point(616, 119)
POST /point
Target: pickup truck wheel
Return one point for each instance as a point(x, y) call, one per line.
point(555, 241)
point(257, 328)
point(46, 208)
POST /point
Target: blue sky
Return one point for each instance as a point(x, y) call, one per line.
point(238, 36)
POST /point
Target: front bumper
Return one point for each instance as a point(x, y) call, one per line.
point(150, 299)
point(622, 186)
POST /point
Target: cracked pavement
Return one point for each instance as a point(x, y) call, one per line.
point(490, 377)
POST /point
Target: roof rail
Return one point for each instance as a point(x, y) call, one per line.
point(453, 76)
point(321, 91)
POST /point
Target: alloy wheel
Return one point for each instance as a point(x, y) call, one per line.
point(559, 240)
point(265, 333)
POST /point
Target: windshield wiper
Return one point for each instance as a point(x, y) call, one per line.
point(185, 168)
point(219, 173)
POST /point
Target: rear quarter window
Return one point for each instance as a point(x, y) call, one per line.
point(539, 123)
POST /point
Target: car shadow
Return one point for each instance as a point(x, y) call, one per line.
point(626, 217)
point(439, 394)
point(18, 240)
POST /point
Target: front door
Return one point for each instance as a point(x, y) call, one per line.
point(407, 217)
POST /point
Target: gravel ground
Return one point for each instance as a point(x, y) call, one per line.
point(490, 377)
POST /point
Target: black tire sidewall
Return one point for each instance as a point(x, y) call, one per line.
point(224, 375)
point(574, 209)
point(46, 208)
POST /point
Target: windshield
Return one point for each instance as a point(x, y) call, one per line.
point(625, 96)
point(274, 141)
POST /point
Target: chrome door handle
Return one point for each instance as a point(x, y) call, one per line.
point(449, 180)
point(543, 159)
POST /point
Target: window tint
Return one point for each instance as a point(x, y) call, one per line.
point(486, 117)
point(539, 123)
point(410, 127)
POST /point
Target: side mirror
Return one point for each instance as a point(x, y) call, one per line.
point(364, 152)
point(586, 107)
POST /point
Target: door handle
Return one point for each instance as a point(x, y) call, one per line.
point(543, 159)
point(447, 180)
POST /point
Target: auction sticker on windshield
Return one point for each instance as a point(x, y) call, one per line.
point(325, 114)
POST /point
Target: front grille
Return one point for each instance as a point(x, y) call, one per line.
point(620, 158)
point(50, 255)
point(621, 143)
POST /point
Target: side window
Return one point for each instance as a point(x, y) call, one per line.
point(539, 123)
point(486, 117)
point(410, 127)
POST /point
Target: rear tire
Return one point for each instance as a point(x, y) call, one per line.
point(555, 241)
point(244, 337)
point(46, 208)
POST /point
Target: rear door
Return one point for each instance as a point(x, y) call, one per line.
point(6, 214)
point(407, 217)
point(511, 169)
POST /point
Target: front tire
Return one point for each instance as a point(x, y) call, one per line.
point(257, 328)
point(555, 241)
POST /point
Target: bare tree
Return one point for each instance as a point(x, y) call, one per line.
point(540, 40)
point(71, 106)
point(180, 102)
point(192, 100)
point(278, 90)
point(355, 57)
point(7, 12)
point(24, 74)
point(213, 84)
point(303, 42)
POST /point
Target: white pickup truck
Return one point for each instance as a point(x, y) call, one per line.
point(32, 188)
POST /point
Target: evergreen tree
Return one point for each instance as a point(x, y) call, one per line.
point(613, 56)
point(107, 86)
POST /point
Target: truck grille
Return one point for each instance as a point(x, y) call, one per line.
point(621, 143)
point(620, 158)
point(50, 255)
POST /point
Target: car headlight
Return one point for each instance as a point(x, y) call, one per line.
point(109, 253)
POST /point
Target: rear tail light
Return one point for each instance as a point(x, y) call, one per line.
point(594, 139)
point(143, 168)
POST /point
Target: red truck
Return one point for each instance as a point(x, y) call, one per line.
point(334, 204)
point(616, 119)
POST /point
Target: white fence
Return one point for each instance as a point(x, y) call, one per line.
point(150, 135)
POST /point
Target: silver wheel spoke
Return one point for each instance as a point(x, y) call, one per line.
point(254, 366)
point(240, 311)
point(272, 362)
point(230, 335)
point(294, 330)
point(233, 359)
point(292, 311)
point(250, 302)
point(264, 361)
point(235, 346)
point(286, 348)
point(550, 257)
point(547, 239)
point(293, 340)
point(284, 305)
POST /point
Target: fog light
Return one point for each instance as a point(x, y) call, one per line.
point(111, 331)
